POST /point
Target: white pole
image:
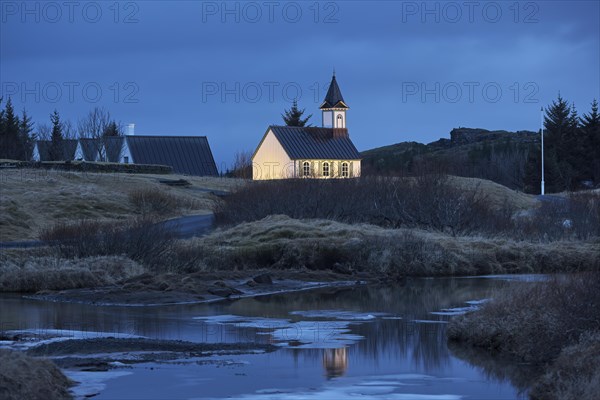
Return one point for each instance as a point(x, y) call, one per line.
point(542, 125)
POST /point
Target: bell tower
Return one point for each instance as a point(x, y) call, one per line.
point(333, 107)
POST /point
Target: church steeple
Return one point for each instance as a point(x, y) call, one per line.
point(333, 107)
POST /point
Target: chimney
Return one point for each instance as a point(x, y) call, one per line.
point(340, 133)
point(130, 129)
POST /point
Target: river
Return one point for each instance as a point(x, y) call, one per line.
point(379, 342)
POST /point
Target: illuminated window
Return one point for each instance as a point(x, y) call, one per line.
point(326, 169)
point(306, 168)
point(345, 170)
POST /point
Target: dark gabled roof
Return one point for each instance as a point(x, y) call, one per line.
point(91, 148)
point(69, 146)
point(314, 143)
point(334, 98)
point(113, 147)
point(190, 155)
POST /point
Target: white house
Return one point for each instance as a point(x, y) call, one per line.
point(296, 152)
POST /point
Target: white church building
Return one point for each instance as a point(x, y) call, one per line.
point(287, 152)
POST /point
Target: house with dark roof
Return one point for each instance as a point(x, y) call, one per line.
point(89, 149)
point(188, 155)
point(41, 150)
point(309, 152)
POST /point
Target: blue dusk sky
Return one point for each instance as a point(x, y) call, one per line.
point(410, 71)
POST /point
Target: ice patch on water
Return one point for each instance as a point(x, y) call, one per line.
point(429, 321)
point(245, 322)
point(367, 388)
point(317, 334)
point(91, 383)
point(338, 314)
point(473, 305)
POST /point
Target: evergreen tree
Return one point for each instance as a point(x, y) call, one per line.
point(9, 142)
point(112, 129)
point(293, 116)
point(590, 132)
point(56, 152)
point(556, 122)
point(25, 137)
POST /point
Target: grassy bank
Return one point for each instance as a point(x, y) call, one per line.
point(24, 377)
point(554, 325)
point(280, 242)
point(87, 256)
point(32, 200)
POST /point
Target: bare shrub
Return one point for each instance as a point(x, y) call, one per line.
point(24, 377)
point(574, 375)
point(157, 202)
point(533, 322)
point(429, 201)
point(141, 239)
point(51, 273)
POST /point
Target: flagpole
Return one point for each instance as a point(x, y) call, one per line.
point(542, 130)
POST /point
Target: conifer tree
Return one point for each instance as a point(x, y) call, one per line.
point(56, 152)
point(9, 142)
point(112, 129)
point(25, 137)
point(590, 132)
point(293, 116)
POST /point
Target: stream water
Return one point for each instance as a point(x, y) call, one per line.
point(371, 342)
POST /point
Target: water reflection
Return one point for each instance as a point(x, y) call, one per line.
point(335, 362)
point(401, 337)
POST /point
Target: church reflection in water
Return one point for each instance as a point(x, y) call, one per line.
point(335, 362)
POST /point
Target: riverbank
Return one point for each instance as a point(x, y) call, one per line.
point(552, 325)
point(293, 254)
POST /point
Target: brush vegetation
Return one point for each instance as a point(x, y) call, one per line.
point(554, 324)
point(457, 206)
point(25, 377)
point(281, 242)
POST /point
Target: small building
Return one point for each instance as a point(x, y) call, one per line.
point(41, 150)
point(89, 149)
point(287, 152)
point(188, 155)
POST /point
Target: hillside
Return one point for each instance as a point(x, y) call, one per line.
point(499, 156)
point(32, 199)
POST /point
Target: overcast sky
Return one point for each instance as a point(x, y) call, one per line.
point(227, 70)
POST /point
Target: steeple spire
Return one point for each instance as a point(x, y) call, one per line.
point(334, 98)
point(334, 107)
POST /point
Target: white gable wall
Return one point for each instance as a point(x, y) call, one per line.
point(79, 153)
point(126, 153)
point(36, 153)
point(271, 161)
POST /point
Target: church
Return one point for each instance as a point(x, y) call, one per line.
point(288, 152)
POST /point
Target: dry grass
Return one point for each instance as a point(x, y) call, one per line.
point(282, 242)
point(498, 195)
point(575, 374)
point(553, 324)
point(24, 377)
point(32, 199)
point(23, 273)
